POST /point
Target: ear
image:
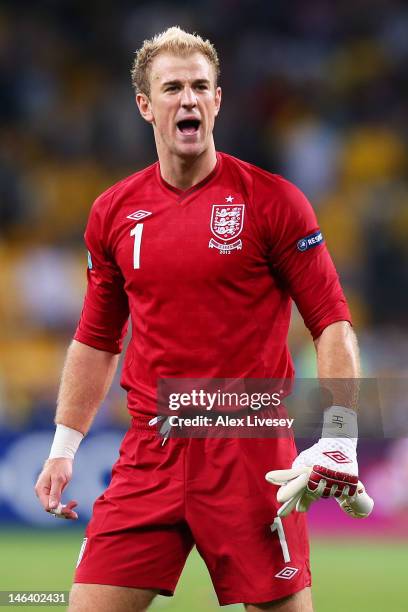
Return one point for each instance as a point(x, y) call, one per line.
point(218, 96)
point(144, 106)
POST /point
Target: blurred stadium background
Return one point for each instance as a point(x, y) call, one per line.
point(316, 91)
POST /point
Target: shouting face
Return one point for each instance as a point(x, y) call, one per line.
point(182, 104)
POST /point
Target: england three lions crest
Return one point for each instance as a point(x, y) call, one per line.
point(226, 225)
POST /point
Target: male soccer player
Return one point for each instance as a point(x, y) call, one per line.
point(205, 252)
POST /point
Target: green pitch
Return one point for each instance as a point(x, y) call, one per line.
point(358, 576)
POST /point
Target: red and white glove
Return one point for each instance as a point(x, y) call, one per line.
point(301, 486)
point(327, 469)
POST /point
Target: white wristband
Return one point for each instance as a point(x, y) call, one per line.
point(66, 442)
point(340, 422)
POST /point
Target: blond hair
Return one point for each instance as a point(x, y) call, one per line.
point(173, 40)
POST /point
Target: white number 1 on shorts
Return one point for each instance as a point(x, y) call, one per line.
point(137, 233)
point(277, 526)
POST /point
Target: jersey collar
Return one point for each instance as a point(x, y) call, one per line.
point(182, 194)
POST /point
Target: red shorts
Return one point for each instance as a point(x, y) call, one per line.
point(163, 499)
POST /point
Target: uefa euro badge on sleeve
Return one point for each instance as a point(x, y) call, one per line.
point(310, 241)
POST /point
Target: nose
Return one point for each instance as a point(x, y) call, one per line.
point(188, 98)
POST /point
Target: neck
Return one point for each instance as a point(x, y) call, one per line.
point(186, 172)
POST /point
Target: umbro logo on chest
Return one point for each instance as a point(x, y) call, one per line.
point(139, 215)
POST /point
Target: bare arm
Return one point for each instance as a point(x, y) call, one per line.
point(338, 362)
point(329, 467)
point(86, 379)
point(337, 352)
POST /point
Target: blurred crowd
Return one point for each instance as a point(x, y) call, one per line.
point(315, 91)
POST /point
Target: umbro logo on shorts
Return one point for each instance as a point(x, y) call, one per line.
point(337, 456)
point(138, 215)
point(287, 573)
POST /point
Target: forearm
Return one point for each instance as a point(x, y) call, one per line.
point(337, 352)
point(329, 467)
point(86, 379)
point(338, 362)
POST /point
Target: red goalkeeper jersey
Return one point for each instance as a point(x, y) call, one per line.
point(207, 276)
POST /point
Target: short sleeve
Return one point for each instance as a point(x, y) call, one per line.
point(299, 256)
point(104, 318)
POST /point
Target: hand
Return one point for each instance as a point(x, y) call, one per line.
point(338, 454)
point(53, 479)
point(302, 485)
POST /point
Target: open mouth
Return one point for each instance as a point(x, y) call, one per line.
point(188, 126)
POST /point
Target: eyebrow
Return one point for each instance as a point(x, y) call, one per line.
point(178, 82)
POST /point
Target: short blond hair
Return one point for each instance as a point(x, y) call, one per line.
point(173, 40)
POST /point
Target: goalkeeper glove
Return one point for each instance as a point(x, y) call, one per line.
point(300, 486)
point(316, 471)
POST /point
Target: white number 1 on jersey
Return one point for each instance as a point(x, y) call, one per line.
point(137, 233)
